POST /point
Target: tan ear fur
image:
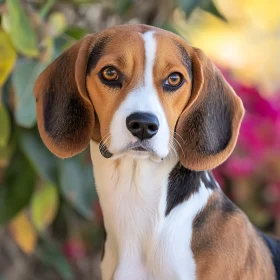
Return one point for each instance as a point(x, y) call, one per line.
point(65, 114)
point(209, 125)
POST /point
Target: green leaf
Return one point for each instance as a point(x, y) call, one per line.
point(122, 6)
point(24, 78)
point(44, 206)
point(189, 6)
point(210, 7)
point(7, 57)
point(170, 27)
point(5, 155)
point(76, 32)
point(77, 184)
point(22, 34)
point(17, 189)
point(6, 23)
point(5, 125)
point(207, 5)
point(46, 8)
point(51, 256)
point(80, 2)
point(42, 160)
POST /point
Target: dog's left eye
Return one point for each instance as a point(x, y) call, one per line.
point(111, 76)
point(173, 82)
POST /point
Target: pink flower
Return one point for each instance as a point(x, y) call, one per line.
point(239, 167)
point(74, 249)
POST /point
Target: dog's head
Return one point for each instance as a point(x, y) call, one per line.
point(140, 90)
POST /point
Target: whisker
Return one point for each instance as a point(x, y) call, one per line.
point(178, 143)
point(180, 146)
point(173, 150)
point(179, 136)
point(106, 141)
point(103, 141)
point(105, 136)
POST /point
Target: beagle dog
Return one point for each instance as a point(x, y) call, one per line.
point(158, 116)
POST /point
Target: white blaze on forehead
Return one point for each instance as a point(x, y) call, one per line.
point(143, 98)
point(150, 53)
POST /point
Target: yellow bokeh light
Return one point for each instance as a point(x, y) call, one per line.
point(249, 43)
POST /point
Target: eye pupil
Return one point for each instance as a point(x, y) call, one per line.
point(174, 79)
point(110, 74)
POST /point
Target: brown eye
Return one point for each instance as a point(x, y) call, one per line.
point(110, 74)
point(174, 79)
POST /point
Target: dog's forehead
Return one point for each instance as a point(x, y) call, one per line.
point(128, 41)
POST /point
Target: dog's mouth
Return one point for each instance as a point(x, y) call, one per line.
point(140, 149)
point(137, 148)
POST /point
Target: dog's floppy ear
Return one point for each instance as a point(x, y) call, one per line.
point(65, 114)
point(209, 125)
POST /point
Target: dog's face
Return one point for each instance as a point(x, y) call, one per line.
point(138, 90)
point(139, 87)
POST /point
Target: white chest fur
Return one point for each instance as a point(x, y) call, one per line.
point(142, 243)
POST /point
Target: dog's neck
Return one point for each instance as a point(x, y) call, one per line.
point(139, 199)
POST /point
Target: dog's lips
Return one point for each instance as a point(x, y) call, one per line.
point(140, 149)
point(135, 148)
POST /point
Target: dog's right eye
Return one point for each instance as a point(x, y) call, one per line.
point(173, 81)
point(110, 76)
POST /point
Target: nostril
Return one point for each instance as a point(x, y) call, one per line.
point(153, 127)
point(135, 125)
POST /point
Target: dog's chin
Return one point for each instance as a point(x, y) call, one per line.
point(143, 154)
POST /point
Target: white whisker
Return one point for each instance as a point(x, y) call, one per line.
point(178, 143)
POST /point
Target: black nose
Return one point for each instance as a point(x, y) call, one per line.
point(142, 125)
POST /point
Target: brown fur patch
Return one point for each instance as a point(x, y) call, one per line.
point(168, 60)
point(123, 57)
point(226, 246)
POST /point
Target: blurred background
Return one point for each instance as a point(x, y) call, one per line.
point(50, 220)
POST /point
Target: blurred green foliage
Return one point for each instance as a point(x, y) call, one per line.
point(41, 195)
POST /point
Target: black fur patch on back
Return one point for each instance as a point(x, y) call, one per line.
point(210, 181)
point(204, 215)
point(228, 207)
point(209, 222)
point(224, 206)
point(96, 53)
point(274, 247)
point(182, 183)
